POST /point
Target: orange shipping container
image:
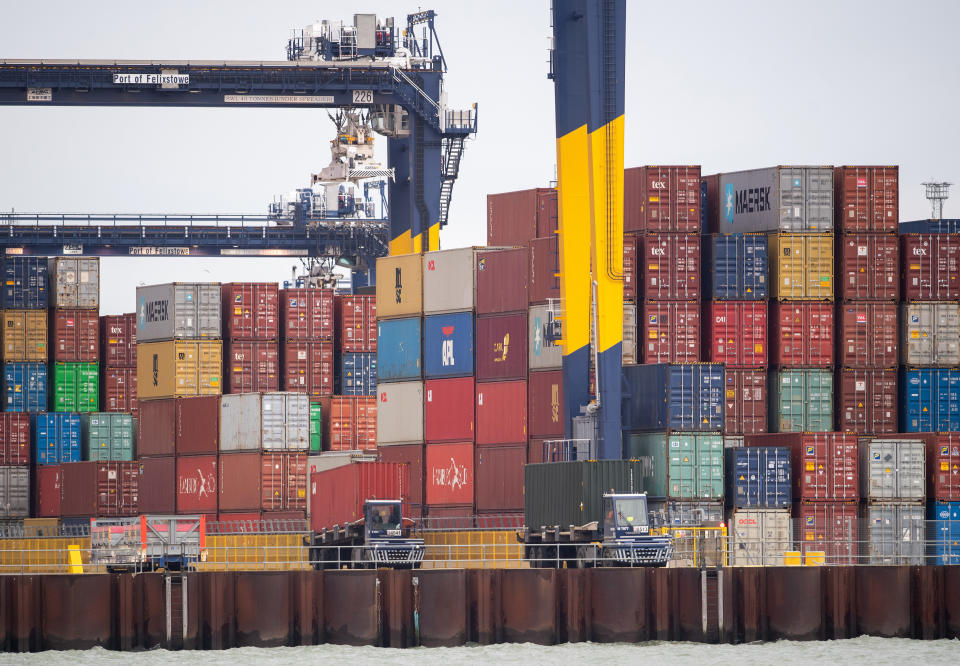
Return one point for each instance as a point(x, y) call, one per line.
point(349, 422)
point(24, 336)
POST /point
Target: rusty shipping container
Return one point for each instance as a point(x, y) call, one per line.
point(499, 478)
point(738, 333)
point(337, 495)
point(119, 390)
point(931, 267)
point(47, 496)
point(158, 485)
point(545, 404)
point(513, 218)
point(801, 266)
point(670, 266)
point(869, 267)
point(75, 336)
point(251, 310)
point(14, 438)
point(745, 401)
point(824, 464)
point(400, 287)
point(931, 334)
point(501, 278)
point(74, 282)
point(100, 489)
point(671, 332)
point(943, 465)
point(181, 426)
point(24, 336)
point(661, 198)
point(411, 456)
point(501, 412)
point(501, 346)
point(308, 367)
point(449, 410)
point(349, 422)
point(179, 369)
point(252, 367)
point(830, 528)
point(802, 335)
point(867, 401)
point(307, 314)
point(357, 316)
point(118, 340)
point(197, 484)
point(867, 198)
point(448, 478)
point(869, 336)
point(544, 270)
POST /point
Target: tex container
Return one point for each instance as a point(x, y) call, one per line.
point(501, 412)
point(357, 322)
point(118, 340)
point(25, 387)
point(673, 397)
point(686, 465)
point(545, 404)
point(100, 489)
point(759, 477)
point(801, 400)
point(867, 198)
point(499, 478)
point(15, 491)
point(738, 333)
point(893, 533)
point(179, 311)
point(400, 286)
point(399, 349)
point(57, 438)
point(350, 422)
point(181, 426)
point(158, 485)
point(931, 334)
point(337, 495)
point(501, 280)
point(892, 469)
point(544, 269)
point(24, 284)
point(744, 401)
point(868, 335)
point(662, 198)
point(759, 537)
point(308, 367)
point(831, 528)
point(513, 218)
point(25, 336)
point(824, 465)
point(801, 266)
point(46, 491)
point(14, 438)
point(868, 267)
point(306, 314)
point(449, 475)
point(255, 481)
point(670, 266)
point(671, 332)
point(541, 354)
point(74, 282)
point(867, 401)
point(501, 346)
point(108, 436)
point(252, 366)
point(268, 421)
point(448, 410)
point(944, 534)
point(448, 343)
point(943, 466)
point(400, 413)
point(931, 267)
point(251, 310)
point(76, 387)
point(735, 267)
point(179, 369)
point(930, 400)
point(197, 484)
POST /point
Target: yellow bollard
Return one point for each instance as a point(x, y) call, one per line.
point(74, 559)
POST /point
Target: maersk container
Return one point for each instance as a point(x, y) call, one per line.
point(736, 267)
point(801, 266)
point(541, 354)
point(448, 345)
point(801, 401)
point(892, 469)
point(57, 438)
point(270, 421)
point(673, 397)
point(930, 400)
point(931, 334)
point(358, 373)
point(400, 413)
point(24, 284)
point(76, 387)
point(759, 537)
point(893, 534)
point(74, 282)
point(179, 311)
point(684, 465)
point(25, 387)
point(108, 436)
point(759, 477)
point(399, 351)
point(944, 533)
point(14, 492)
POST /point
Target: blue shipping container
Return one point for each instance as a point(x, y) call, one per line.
point(930, 400)
point(673, 396)
point(358, 373)
point(448, 345)
point(945, 534)
point(759, 477)
point(736, 267)
point(57, 437)
point(25, 387)
point(930, 227)
point(398, 350)
point(24, 283)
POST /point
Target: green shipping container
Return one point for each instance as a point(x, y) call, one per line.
point(76, 387)
point(316, 427)
point(684, 465)
point(108, 436)
point(801, 401)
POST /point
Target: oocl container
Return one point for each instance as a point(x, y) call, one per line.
point(179, 311)
point(545, 404)
point(738, 333)
point(448, 345)
point(685, 465)
point(501, 278)
point(671, 267)
point(449, 479)
point(76, 387)
point(14, 439)
point(674, 397)
point(513, 218)
point(501, 352)
point(197, 484)
point(544, 269)
point(867, 197)
point(869, 267)
point(100, 489)
point(357, 316)
point(24, 283)
point(759, 477)
point(46, 491)
point(307, 314)
point(801, 401)
point(501, 412)
point(358, 373)
point(185, 426)
point(179, 369)
point(823, 464)
point(499, 478)
point(662, 198)
point(931, 334)
point(400, 413)
point(894, 533)
point(736, 267)
point(760, 537)
point(892, 469)
point(269, 421)
point(671, 332)
point(830, 528)
point(118, 340)
point(252, 366)
point(930, 400)
point(74, 283)
point(745, 401)
point(399, 351)
point(931, 267)
point(400, 286)
point(158, 485)
point(869, 335)
point(108, 436)
point(801, 266)
point(57, 438)
point(337, 495)
point(25, 387)
point(867, 401)
point(15, 491)
point(803, 335)
point(251, 310)
point(24, 336)
point(943, 466)
point(449, 409)
point(350, 422)
point(542, 354)
point(308, 367)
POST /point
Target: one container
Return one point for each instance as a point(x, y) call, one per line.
point(316, 427)
point(670, 266)
point(502, 412)
point(357, 317)
point(801, 267)
point(823, 464)
point(25, 387)
point(759, 537)
point(449, 474)
point(449, 410)
point(400, 413)
point(400, 286)
point(867, 401)
point(74, 283)
point(185, 426)
point(158, 485)
point(544, 269)
point(100, 489)
point(15, 491)
point(46, 491)
point(867, 198)
point(399, 349)
point(24, 336)
point(499, 478)
point(931, 334)
point(307, 314)
point(76, 387)
point(251, 310)
point(759, 477)
point(179, 311)
point(830, 528)
point(337, 495)
point(931, 267)
point(14, 438)
point(869, 267)
point(448, 345)
point(252, 366)
point(545, 404)
point(449, 284)
point(283, 481)
point(745, 401)
point(308, 367)
point(411, 456)
point(736, 267)
point(892, 469)
point(501, 278)
point(197, 484)
point(350, 423)
point(24, 284)
point(500, 349)
point(542, 354)
point(629, 344)
point(868, 335)
point(674, 397)
point(685, 465)
point(945, 533)
point(118, 340)
point(801, 401)
point(671, 332)
point(358, 373)
point(179, 369)
point(930, 400)
point(893, 533)
point(943, 466)
point(57, 438)
point(738, 333)
point(269, 421)
point(513, 218)
point(662, 198)
point(108, 436)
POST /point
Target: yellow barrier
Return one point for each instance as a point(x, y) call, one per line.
point(256, 552)
point(473, 549)
point(37, 555)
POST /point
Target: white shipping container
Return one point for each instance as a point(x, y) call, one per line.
point(399, 413)
point(14, 491)
point(782, 198)
point(74, 282)
point(892, 469)
point(759, 537)
point(276, 421)
point(931, 334)
point(893, 533)
point(179, 311)
point(448, 282)
point(541, 354)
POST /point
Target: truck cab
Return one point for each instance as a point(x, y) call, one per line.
point(386, 542)
point(626, 535)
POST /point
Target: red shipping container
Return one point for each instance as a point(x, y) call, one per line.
point(661, 198)
point(196, 484)
point(545, 403)
point(499, 478)
point(943, 465)
point(738, 333)
point(75, 336)
point(100, 489)
point(831, 528)
point(448, 413)
point(239, 482)
point(535, 451)
point(823, 464)
point(501, 280)
point(119, 392)
point(544, 269)
point(410, 455)
point(251, 311)
point(631, 243)
point(185, 426)
point(337, 495)
point(514, 218)
point(14, 438)
point(671, 267)
point(349, 422)
point(283, 482)
point(931, 267)
point(869, 267)
point(358, 323)
point(802, 335)
point(449, 475)
point(46, 491)
point(869, 336)
point(501, 412)
point(307, 314)
point(118, 340)
point(671, 332)
point(158, 485)
point(501, 344)
point(867, 401)
point(252, 367)
point(308, 367)
point(867, 198)
point(745, 402)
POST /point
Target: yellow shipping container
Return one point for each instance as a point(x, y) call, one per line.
point(400, 286)
point(801, 266)
point(24, 336)
point(179, 368)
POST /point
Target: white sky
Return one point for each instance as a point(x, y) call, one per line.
point(729, 85)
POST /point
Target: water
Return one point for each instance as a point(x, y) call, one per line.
point(864, 650)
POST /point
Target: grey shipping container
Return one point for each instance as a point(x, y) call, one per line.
point(629, 349)
point(681, 465)
point(759, 537)
point(782, 198)
point(108, 436)
point(931, 334)
point(178, 311)
point(400, 413)
point(892, 469)
point(892, 533)
point(541, 354)
point(14, 491)
point(277, 421)
point(74, 283)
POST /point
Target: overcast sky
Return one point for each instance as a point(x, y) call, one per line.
point(730, 85)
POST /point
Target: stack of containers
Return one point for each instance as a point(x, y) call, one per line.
point(868, 288)
point(357, 344)
point(25, 352)
point(75, 333)
point(251, 327)
point(307, 331)
point(943, 510)
point(14, 465)
point(759, 496)
point(118, 351)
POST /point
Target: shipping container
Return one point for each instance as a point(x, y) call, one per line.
point(185, 426)
point(316, 427)
point(893, 533)
point(411, 456)
point(631, 243)
point(448, 477)
point(931, 267)
point(931, 334)
point(628, 346)
point(308, 367)
point(100, 489)
point(399, 349)
point(57, 438)
point(671, 332)
point(673, 397)
point(179, 369)
point(869, 335)
point(867, 401)
point(251, 310)
point(76, 387)
point(501, 279)
point(745, 401)
point(108, 436)
point(544, 269)
point(197, 484)
point(400, 287)
point(252, 366)
point(24, 284)
point(118, 391)
point(801, 401)
point(118, 340)
point(661, 198)
point(179, 311)
point(735, 267)
point(823, 464)
point(500, 349)
point(268, 421)
point(74, 282)
point(929, 226)
point(25, 387)
point(738, 333)
point(930, 400)
point(357, 319)
point(448, 411)
point(892, 469)
point(350, 422)
point(255, 481)
point(502, 412)
point(944, 533)
point(759, 477)
point(358, 373)
point(830, 528)
point(24, 336)
point(867, 198)
point(801, 267)
point(760, 537)
point(46, 491)
point(448, 345)
point(499, 478)
point(449, 284)
point(334, 459)
point(869, 267)
point(545, 404)
point(14, 438)
point(337, 495)
point(542, 354)
point(513, 218)
point(400, 413)
point(307, 314)
point(685, 465)
point(943, 466)
point(158, 485)
point(15, 491)
point(670, 265)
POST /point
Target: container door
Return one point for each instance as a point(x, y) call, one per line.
point(272, 422)
point(947, 334)
point(710, 453)
point(819, 401)
point(297, 422)
point(680, 462)
point(792, 208)
point(911, 470)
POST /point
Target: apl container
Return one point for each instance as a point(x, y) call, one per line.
point(251, 310)
point(501, 279)
point(399, 352)
point(158, 485)
point(252, 366)
point(867, 401)
point(307, 314)
point(801, 401)
point(269, 421)
point(759, 477)
point(738, 333)
point(179, 369)
point(449, 474)
point(358, 373)
point(759, 537)
point(671, 332)
point(499, 478)
point(448, 345)
point(501, 349)
point(118, 340)
point(931, 334)
point(931, 267)
point(179, 311)
point(400, 413)
point(944, 533)
point(670, 266)
point(185, 426)
point(545, 404)
point(801, 266)
point(108, 436)
point(400, 286)
point(544, 269)
point(893, 533)
point(501, 412)
point(449, 410)
point(308, 367)
point(943, 466)
point(830, 528)
point(46, 491)
point(25, 387)
point(823, 464)
point(337, 495)
point(76, 387)
point(15, 491)
point(24, 284)
point(674, 397)
point(867, 197)
point(930, 400)
point(357, 317)
point(24, 336)
point(197, 484)
point(57, 438)
point(745, 401)
point(892, 469)
point(74, 282)
point(736, 267)
point(542, 354)
point(661, 198)
point(869, 267)
point(350, 423)
point(685, 465)
point(868, 335)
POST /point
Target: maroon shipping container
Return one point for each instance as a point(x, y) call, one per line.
point(118, 340)
point(545, 403)
point(831, 528)
point(502, 412)
point(357, 316)
point(943, 465)
point(119, 392)
point(251, 310)
point(671, 267)
point(448, 414)
point(738, 333)
point(283, 481)
point(499, 478)
point(501, 344)
point(100, 489)
point(46, 491)
point(869, 267)
point(75, 336)
point(449, 475)
point(745, 402)
point(867, 198)
point(671, 332)
point(252, 367)
point(308, 367)
point(501, 280)
point(158, 485)
point(867, 401)
point(307, 314)
point(410, 455)
point(349, 422)
point(14, 438)
point(544, 269)
point(630, 244)
point(802, 335)
point(337, 495)
point(535, 451)
point(185, 426)
point(197, 484)
point(869, 337)
point(824, 464)
point(513, 218)
point(931, 267)
point(661, 198)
